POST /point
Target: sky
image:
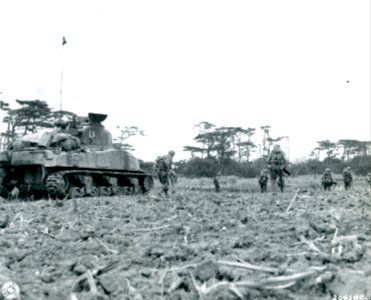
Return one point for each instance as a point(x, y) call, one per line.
point(299, 66)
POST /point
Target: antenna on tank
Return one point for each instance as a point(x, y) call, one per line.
point(64, 42)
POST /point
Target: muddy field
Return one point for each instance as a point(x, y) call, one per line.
point(197, 244)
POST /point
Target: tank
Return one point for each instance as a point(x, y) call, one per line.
point(71, 161)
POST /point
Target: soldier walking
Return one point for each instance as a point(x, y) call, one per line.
point(164, 170)
point(263, 180)
point(216, 182)
point(277, 164)
point(347, 178)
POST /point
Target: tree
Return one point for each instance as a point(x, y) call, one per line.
point(32, 116)
point(204, 138)
point(248, 148)
point(125, 133)
point(215, 140)
point(194, 150)
point(222, 142)
point(352, 148)
point(224, 137)
point(236, 137)
point(328, 147)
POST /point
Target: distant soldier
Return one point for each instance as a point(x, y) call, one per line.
point(61, 125)
point(216, 182)
point(165, 172)
point(327, 181)
point(347, 178)
point(277, 165)
point(62, 138)
point(263, 180)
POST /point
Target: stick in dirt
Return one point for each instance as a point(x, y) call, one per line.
point(293, 199)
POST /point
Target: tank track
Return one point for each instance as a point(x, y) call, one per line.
point(56, 185)
point(79, 183)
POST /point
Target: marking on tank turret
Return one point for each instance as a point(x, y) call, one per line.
point(91, 134)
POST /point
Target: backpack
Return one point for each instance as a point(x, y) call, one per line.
point(162, 164)
point(276, 158)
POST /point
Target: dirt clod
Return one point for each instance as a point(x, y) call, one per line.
point(138, 248)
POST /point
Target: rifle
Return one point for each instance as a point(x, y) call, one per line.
point(173, 177)
point(333, 185)
point(286, 171)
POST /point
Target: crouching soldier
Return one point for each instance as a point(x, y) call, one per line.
point(327, 181)
point(263, 180)
point(347, 178)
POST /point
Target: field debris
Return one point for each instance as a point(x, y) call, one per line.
point(192, 245)
point(279, 282)
point(296, 195)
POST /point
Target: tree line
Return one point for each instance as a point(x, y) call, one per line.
point(227, 150)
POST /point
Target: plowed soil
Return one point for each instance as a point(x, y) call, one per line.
point(196, 244)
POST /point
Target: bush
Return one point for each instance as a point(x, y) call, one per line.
point(361, 165)
point(208, 167)
point(199, 167)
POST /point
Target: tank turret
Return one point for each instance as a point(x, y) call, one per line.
point(94, 135)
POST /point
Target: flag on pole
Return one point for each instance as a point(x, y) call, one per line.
point(64, 41)
point(4, 105)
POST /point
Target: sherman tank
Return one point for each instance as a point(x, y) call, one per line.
point(71, 162)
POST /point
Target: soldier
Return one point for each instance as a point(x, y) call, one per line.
point(263, 180)
point(165, 172)
point(347, 178)
point(327, 181)
point(276, 165)
point(216, 182)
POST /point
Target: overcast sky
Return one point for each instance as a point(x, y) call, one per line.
point(302, 67)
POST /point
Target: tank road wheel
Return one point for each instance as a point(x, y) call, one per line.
point(134, 185)
point(94, 192)
point(74, 192)
point(117, 191)
point(56, 185)
point(147, 184)
point(126, 190)
point(104, 191)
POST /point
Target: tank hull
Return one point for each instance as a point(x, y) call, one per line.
point(71, 174)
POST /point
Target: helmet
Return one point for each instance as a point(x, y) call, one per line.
point(328, 170)
point(171, 152)
point(276, 147)
point(60, 123)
